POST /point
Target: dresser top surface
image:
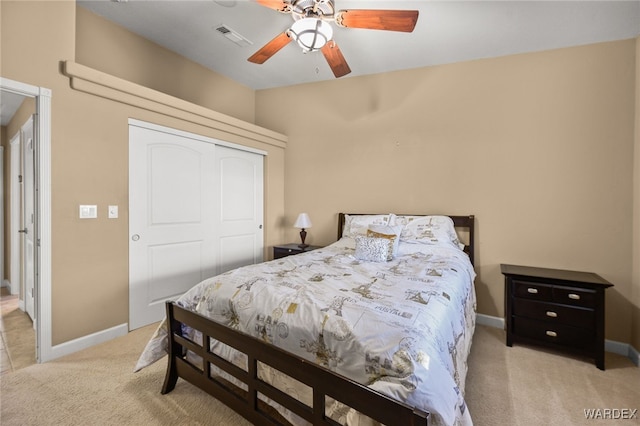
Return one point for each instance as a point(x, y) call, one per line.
point(295, 246)
point(555, 274)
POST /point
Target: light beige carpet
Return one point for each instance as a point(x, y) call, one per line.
point(531, 386)
point(505, 386)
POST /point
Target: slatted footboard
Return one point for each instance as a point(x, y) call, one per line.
point(324, 383)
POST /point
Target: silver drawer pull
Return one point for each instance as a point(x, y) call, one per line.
point(532, 290)
point(574, 296)
point(552, 333)
point(552, 314)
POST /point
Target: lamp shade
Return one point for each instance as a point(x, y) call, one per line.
point(302, 221)
point(311, 33)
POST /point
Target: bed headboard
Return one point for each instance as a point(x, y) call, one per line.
point(465, 223)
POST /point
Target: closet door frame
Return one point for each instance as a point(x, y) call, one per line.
point(143, 306)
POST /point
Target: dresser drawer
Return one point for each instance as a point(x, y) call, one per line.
point(574, 296)
point(566, 335)
point(531, 290)
point(555, 314)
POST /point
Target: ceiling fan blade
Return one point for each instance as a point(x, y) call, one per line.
point(390, 20)
point(279, 5)
point(336, 60)
point(271, 48)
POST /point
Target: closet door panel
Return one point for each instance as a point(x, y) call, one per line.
point(171, 220)
point(240, 233)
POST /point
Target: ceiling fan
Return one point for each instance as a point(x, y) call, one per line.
point(312, 31)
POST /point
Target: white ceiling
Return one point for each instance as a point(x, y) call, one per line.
point(446, 32)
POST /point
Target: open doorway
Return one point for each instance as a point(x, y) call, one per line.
point(36, 264)
point(17, 297)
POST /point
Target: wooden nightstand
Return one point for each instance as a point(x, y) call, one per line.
point(556, 308)
point(289, 249)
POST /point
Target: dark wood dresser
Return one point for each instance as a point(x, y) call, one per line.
point(285, 250)
point(556, 308)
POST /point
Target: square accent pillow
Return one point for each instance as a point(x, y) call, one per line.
point(371, 249)
point(386, 231)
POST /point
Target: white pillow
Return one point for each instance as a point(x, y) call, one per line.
point(388, 232)
point(428, 230)
point(355, 225)
point(370, 249)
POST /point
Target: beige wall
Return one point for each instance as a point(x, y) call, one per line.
point(90, 164)
point(538, 146)
point(110, 48)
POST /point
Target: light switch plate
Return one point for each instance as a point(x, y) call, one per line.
point(88, 211)
point(113, 212)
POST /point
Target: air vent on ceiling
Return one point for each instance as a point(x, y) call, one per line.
point(233, 36)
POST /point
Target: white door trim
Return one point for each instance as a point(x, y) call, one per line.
point(190, 135)
point(44, 349)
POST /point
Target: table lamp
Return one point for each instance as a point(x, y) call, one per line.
point(303, 222)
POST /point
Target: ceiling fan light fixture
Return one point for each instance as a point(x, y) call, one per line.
point(311, 33)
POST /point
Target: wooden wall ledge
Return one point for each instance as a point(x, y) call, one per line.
point(98, 83)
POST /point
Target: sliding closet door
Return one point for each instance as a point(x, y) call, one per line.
point(183, 190)
point(240, 208)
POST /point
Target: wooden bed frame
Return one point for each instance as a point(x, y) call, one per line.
point(323, 382)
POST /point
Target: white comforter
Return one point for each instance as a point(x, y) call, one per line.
point(402, 327)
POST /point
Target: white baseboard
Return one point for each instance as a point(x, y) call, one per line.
point(489, 321)
point(634, 355)
point(616, 347)
point(612, 346)
point(85, 342)
point(12, 289)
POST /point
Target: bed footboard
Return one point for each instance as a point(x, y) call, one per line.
point(245, 401)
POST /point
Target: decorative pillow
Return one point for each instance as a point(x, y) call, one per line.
point(371, 249)
point(355, 225)
point(428, 230)
point(386, 231)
